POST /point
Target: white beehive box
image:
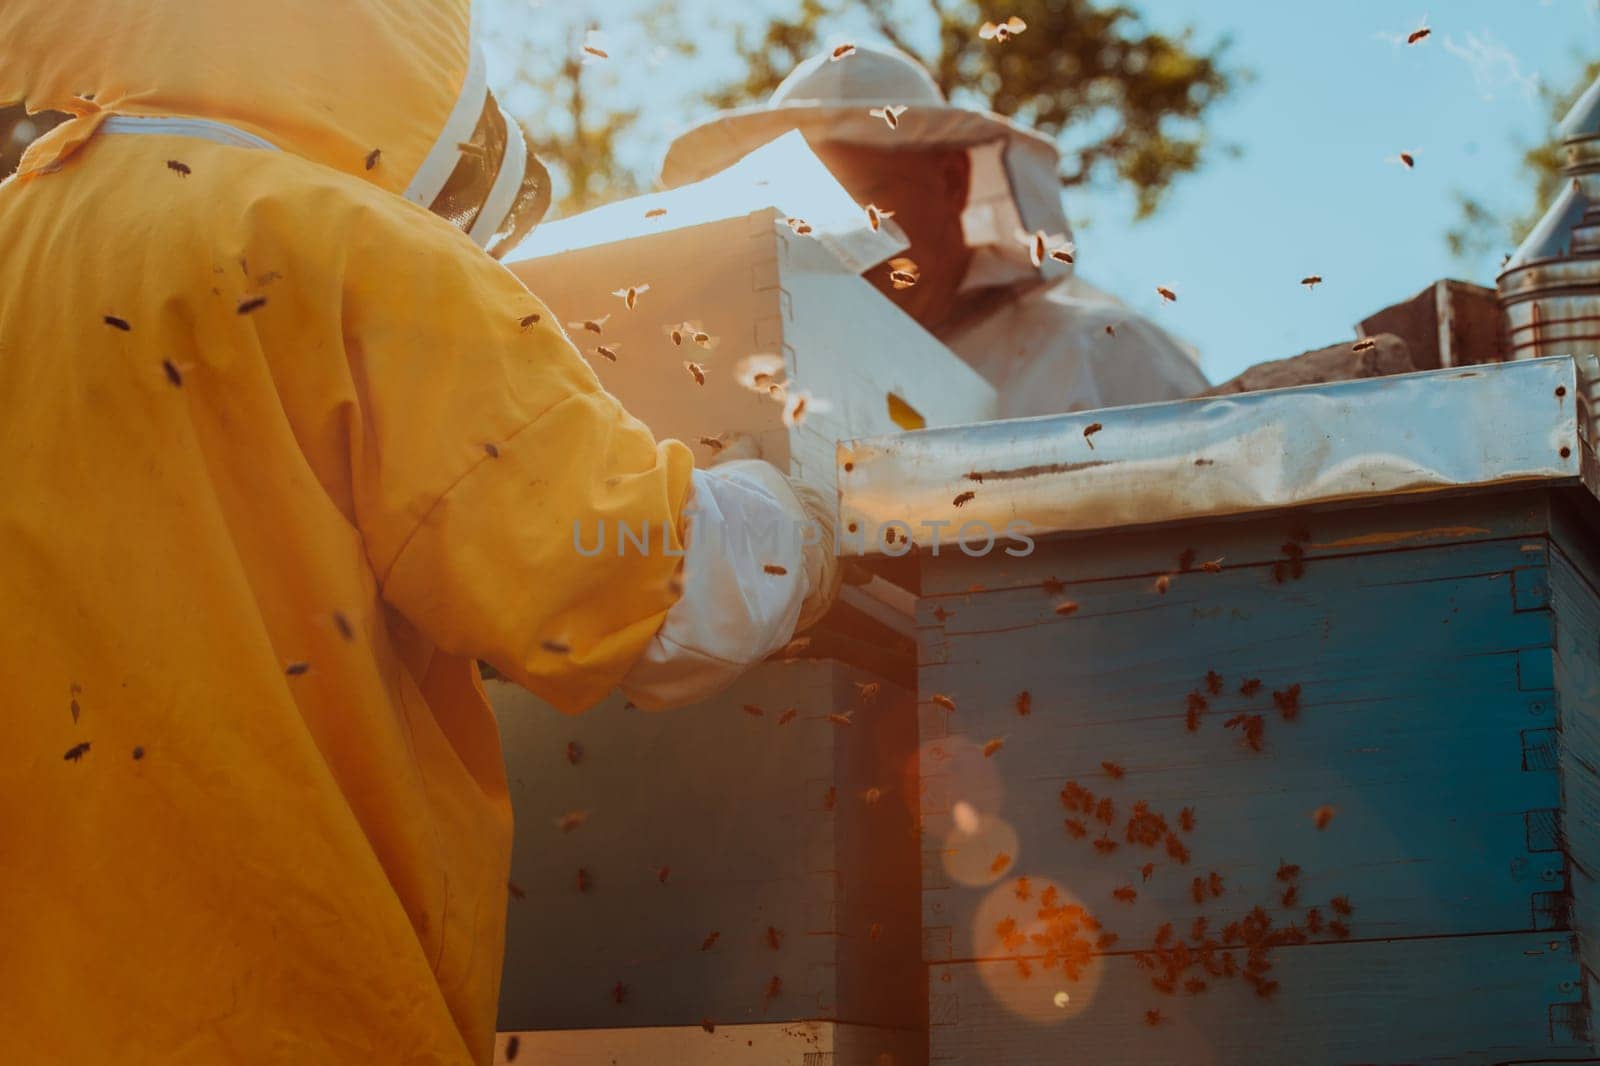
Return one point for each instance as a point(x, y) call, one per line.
point(748, 280)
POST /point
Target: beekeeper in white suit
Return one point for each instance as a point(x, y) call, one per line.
point(969, 188)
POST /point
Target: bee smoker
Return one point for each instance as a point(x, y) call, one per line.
point(1550, 288)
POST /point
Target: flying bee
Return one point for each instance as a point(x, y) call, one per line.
point(696, 371)
point(1113, 770)
point(775, 569)
point(591, 325)
point(1089, 431)
point(1166, 294)
point(1288, 871)
point(1076, 829)
point(902, 279)
point(1023, 888)
point(182, 169)
point(609, 351)
point(1212, 566)
point(1162, 584)
point(1407, 160)
point(1366, 344)
point(1106, 810)
point(716, 444)
point(1152, 1016)
point(491, 449)
point(1250, 686)
point(841, 719)
point(830, 798)
point(1287, 701)
point(1186, 819)
point(1024, 704)
point(1125, 893)
point(1104, 844)
point(868, 690)
point(753, 711)
point(1197, 890)
point(1177, 850)
point(993, 745)
point(619, 993)
point(941, 700)
point(1053, 586)
point(774, 988)
point(373, 157)
point(571, 820)
point(874, 931)
point(1146, 870)
point(1065, 608)
point(890, 113)
point(799, 226)
point(592, 52)
point(1314, 921)
point(1038, 245)
point(529, 320)
point(76, 752)
point(630, 295)
point(774, 938)
point(876, 215)
point(1001, 32)
point(1289, 896)
point(756, 372)
point(555, 647)
point(798, 404)
point(787, 716)
point(1214, 682)
point(574, 752)
point(1001, 861)
point(1421, 33)
point(1194, 986)
point(1311, 281)
point(662, 873)
point(255, 303)
point(1322, 816)
point(1339, 929)
point(171, 370)
point(296, 669)
point(711, 938)
point(655, 212)
point(963, 499)
point(515, 890)
point(1066, 253)
point(1341, 905)
point(841, 51)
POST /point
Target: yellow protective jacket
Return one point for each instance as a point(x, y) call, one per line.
point(283, 455)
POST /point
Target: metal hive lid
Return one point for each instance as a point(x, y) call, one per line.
point(1445, 430)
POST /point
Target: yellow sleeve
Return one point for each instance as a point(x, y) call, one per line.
point(490, 461)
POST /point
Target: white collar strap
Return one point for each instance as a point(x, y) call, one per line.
point(446, 151)
point(507, 183)
point(180, 126)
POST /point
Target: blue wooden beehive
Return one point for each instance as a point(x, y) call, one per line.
point(1391, 586)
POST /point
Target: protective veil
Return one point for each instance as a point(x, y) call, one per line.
point(285, 452)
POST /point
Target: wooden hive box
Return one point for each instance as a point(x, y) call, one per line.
point(714, 819)
point(1411, 564)
point(753, 286)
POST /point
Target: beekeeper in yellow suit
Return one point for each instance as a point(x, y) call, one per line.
point(285, 452)
point(970, 189)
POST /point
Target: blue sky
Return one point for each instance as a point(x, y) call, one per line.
point(1313, 189)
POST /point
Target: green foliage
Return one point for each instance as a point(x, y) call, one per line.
point(1122, 99)
point(1482, 230)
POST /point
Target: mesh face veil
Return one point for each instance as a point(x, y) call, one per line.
point(498, 189)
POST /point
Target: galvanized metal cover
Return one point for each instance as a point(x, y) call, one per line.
point(1440, 430)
